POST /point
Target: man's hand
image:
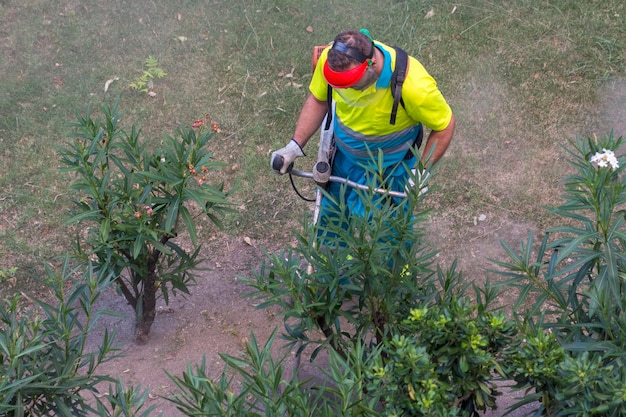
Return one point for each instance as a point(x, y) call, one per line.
point(283, 158)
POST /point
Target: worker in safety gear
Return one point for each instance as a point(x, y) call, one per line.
point(359, 71)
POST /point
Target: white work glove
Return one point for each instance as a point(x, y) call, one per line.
point(421, 176)
point(283, 158)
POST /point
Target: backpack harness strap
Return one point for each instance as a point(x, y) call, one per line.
point(397, 80)
point(329, 110)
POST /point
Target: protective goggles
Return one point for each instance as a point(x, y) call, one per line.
point(348, 78)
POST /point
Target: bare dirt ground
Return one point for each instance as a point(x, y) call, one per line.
point(217, 317)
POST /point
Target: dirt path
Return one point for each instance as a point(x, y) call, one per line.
point(215, 319)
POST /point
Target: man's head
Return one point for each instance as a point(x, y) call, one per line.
point(348, 59)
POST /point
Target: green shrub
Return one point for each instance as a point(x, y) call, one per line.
point(45, 368)
point(371, 273)
point(368, 274)
point(444, 358)
point(255, 385)
point(567, 382)
point(534, 362)
point(440, 361)
point(404, 340)
point(573, 287)
point(134, 203)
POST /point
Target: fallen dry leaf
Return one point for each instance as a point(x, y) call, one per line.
point(309, 29)
point(108, 83)
point(247, 240)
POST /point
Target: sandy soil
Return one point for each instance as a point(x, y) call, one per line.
point(215, 318)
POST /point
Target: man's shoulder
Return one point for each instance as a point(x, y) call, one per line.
point(417, 76)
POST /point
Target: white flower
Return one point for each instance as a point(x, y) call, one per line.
point(162, 159)
point(604, 159)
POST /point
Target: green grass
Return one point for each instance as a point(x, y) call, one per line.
point(522, 77)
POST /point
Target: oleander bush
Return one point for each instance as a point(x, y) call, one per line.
point(436, 347)
point(134, 202)
point(573, 293)
point(45, 366)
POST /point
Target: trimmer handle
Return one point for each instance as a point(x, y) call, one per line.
point(278, 162)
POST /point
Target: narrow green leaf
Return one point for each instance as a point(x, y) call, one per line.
point(172, 215)
point(165, 249)
point(189, 224)
point(138, 245)
point(575, 244)
point(86, 215)
point(62, 408)
point(156, 177)
point(105, 227)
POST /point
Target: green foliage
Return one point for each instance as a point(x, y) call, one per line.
point(368, 273)
point(124, 402)
point(144, 83)
point(592, 386)
point(362, 283)
point(260, 388)
point(577, 272)
point(45, 368)
point(564, 346)
point(574, 287)
point(133, 203)
point(410, 382)
point(7, 275)
point(535, 362)
point(443, 359)
point(566, 382)
point(405, 376)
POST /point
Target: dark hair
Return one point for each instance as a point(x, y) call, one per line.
point(339, 61)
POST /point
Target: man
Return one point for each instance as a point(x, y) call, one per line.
point(359, 70)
